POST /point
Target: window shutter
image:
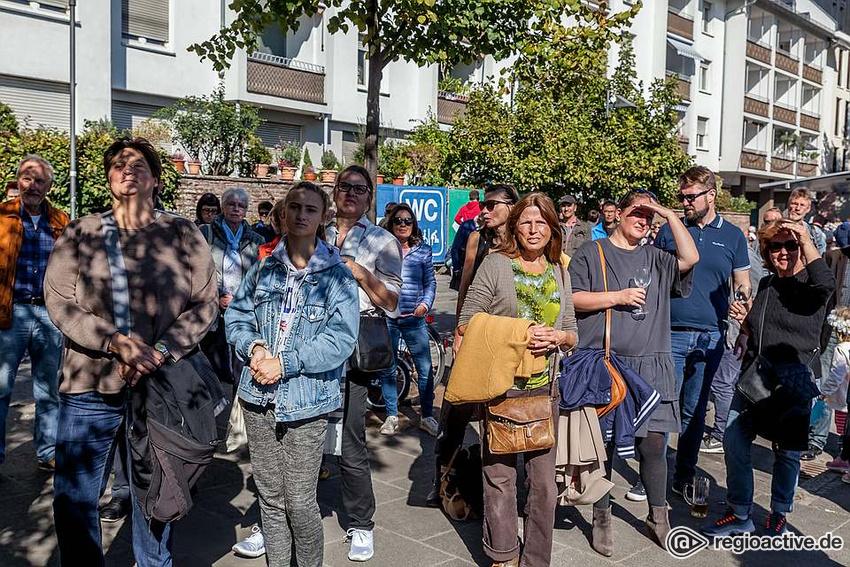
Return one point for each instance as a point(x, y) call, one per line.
point(42, 103)
point(61, 4)
point(146, 19)
point(272, 133)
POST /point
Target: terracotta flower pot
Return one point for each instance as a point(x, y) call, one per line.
point(380, 179)
point(194, 167)
point(261, 170)
point(287, 173)
point(179, 165)
point(309, 175)
point(399, 180)
point(328, 176)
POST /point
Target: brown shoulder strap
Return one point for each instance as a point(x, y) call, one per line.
point(607, 311)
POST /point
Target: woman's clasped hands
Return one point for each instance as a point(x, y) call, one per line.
point(264, 368)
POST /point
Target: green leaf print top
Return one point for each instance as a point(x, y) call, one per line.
point(538, 300)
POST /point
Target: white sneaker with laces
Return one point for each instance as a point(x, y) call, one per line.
point(430, 425)
point(390, 426)
point(252, 546)
point(362, 544)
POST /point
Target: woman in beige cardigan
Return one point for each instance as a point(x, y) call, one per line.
point(524, 278)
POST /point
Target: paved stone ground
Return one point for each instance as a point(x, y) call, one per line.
point(406, 533)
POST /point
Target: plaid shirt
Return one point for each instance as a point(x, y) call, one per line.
point(36, 246)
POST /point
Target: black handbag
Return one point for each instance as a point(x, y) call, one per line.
point(761, 379)
point(373, 350)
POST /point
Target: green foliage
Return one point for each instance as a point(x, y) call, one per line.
point(726, 202)
point(290, 154)
point(92, 189)
point(212, 130)
point(8, 122)
point(308, 161)
point(330, 161)
point(394, 160)
point(427, 153)
point(453, 85)
point(256, 153)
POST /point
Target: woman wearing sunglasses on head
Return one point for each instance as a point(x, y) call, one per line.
point(416, 299)
point(782, 325)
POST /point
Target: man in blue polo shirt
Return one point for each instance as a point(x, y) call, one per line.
point(698, 323)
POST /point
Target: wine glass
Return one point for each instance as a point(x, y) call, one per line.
point(643, 277)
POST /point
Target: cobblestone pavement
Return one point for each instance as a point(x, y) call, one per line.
point(406, 534)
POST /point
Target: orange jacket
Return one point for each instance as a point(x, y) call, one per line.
point(11, 236)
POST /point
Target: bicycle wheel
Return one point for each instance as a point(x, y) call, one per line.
point(375, 396)
point(438, 355)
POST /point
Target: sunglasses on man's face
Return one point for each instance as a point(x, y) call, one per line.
point(691, 198)
point(399, 221)
point(789, 245)
point(491, 204)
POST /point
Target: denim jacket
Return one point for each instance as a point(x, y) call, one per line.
point(324, 328)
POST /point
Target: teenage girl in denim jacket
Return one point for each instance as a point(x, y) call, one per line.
point(295, 317)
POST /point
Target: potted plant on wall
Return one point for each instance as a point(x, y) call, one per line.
point(330, 166)
point(194, 166)
point(260, 156)
point(308, 172)
point(179, 161)
point(290, 157)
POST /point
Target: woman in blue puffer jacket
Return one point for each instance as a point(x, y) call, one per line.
point(294, 320)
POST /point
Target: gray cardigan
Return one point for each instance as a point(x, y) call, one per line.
point(493, 291)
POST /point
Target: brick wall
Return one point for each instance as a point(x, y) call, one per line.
point(193, 186)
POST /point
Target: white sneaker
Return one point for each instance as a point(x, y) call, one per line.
point(390, 426)
point(252, 546)
point(430, 425)
point(362, 544)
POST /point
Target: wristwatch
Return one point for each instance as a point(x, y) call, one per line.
point(160, 346)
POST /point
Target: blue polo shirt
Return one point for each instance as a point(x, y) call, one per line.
point(722, 249)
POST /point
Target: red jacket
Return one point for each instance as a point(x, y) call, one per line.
point(267, 249)
point(468, 212)
point(11, 236)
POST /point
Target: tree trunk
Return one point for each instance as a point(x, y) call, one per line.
point(373, 105)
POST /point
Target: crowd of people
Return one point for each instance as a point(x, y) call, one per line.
point(611, 334)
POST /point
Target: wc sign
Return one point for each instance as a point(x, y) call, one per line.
point(429, 207)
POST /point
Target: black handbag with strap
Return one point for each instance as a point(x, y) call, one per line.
point(373, 350)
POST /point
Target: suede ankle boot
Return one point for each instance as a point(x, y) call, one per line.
point(510, 563)
point(602, 535)
point(658, 525)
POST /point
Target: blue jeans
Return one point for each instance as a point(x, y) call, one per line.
point(723, 389)
point(32, 330)
point(737, 446)
point(88, 424)
point(414, 330)
point(696, 355)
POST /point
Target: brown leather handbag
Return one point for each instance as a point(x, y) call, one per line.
point(519, 425)
point(618, 384)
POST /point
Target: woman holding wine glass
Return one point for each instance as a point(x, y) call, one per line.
point(640, 283)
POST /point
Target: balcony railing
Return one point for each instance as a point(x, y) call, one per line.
point(812, 74)
point(806, 168)
point(784, 114)
point(680, 24)
point(782, 165)
point(754, 105)
point(752, 159)
point(450, 106)
point(757, 51)
point(809, 121)
point(683, 85)
point(286, 78)
point(787, 63)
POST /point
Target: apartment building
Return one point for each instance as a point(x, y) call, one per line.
point(132, 60)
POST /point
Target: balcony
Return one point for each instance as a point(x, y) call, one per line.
point(684, 142)
point(784, 114)
point(680, 24)
point(285, 78)
point(809, 121)
point(752, 159)
point(812, 74)
point(755, 105)
point(787, 63)
point(683, 85)
point(806, 168)
point(450, 106)
point(758, 52)
point(782, 165)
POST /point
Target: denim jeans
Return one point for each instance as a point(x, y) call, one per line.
point(819, 429)
point(414, 330)
point(696, 355)
point(32, 330)
point(723, 389)
point(737, 446)
point(88, 424)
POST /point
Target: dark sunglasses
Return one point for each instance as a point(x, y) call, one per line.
point(691, 198)
point(492, 203)
point(263, 213)
point(789, 245)
point(398, 221)
point(357, 189)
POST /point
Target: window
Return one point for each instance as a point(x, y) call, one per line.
point(362, 55)
point(754, 135)
point(705, 76)
point(839, 59)
point(702, 133)
point(145, 20)
point(706, 18)
point(837, 116)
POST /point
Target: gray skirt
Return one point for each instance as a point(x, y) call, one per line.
point(658, 370)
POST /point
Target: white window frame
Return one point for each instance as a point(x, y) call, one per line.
point(705, 76)
point(362, 60)
point(702, 138)
point(706, 8)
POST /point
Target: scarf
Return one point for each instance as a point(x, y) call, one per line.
point(232, 263)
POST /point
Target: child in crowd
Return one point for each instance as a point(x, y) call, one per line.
point(834, 389)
